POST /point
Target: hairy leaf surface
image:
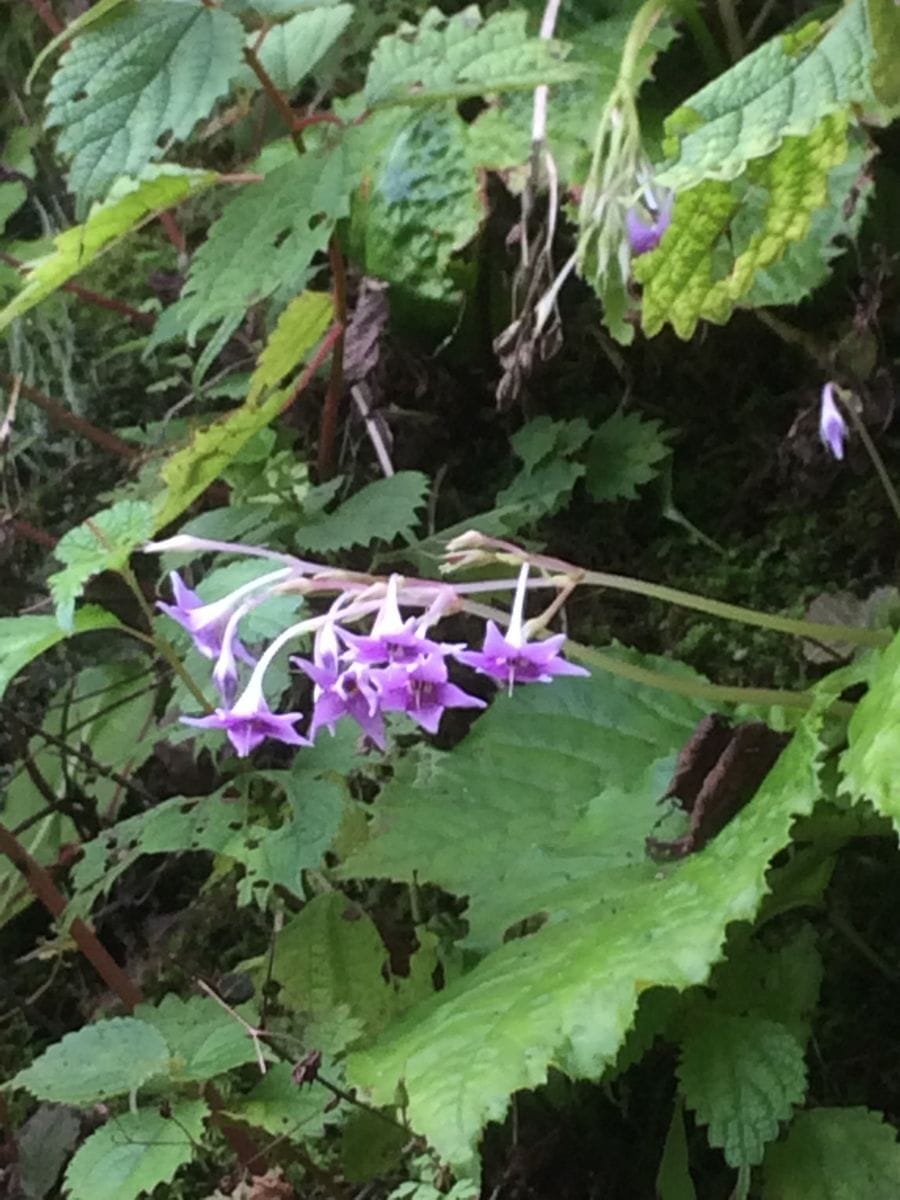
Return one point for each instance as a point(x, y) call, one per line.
point(835, 1154)
point(133, 1152)
point(567, 994)
point(871, 762)
point(783, 89)
point(150, 72)
point(742, 1075)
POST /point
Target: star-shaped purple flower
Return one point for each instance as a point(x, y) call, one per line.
point(511, 658)
point(206, 623)
point(340, 691)
point(832, 426)
point(393, 640)
point(249, 722)
point(423, 692)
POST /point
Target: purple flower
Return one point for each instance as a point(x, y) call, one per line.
point(832, 426)
point(423, 692)
point(249, 721)
point(511, 658)
point(391, 639)
point(206, 623)
point(341, 691)
point(645, 234)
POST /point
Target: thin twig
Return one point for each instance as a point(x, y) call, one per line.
point(68, 420)
point(143, 320)
point(45, 890)
point(381, 450)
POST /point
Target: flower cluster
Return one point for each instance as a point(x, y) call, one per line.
point(394, 667)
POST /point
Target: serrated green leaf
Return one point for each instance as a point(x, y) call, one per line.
point(331, 956)
point(104, 542)
point(806, 265)
point(534, 816)
point(22, 639)
point(265, 240)
point(884, 20)
point(282, 1108)
point(299, 327)
point(131, 204)
point(542, 491)
point(742, 1076)
point(461, 55)
point(189, 471)
point(203, 1039)
point(871, 763)
point(722, 234)
point(622, 456)
point(495, 1030)
point(834, 1154)
point(784, 89)
point(111, 1058)
point(292, 50)
point(133, 1152)
point(420, 199)
point(382, 511)
point(544, 438)
point(151, 71)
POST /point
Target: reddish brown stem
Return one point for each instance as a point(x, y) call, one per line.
point(173, 230)
point(68, 420)
point(328, 341)
point(45, 890)
point(331, 408)
point(146, 320)
point(31, 533)
point(320, 118)
point(47, 15)
point(284, 109)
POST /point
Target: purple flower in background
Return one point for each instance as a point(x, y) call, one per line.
point(206, 623)
point(393, 640)
point(832, 426)
point(511, 658)
point(423, 691)
point(644, 228)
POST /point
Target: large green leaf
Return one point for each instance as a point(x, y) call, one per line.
point(420, 200)
point(783, 89)
point(203, 1039)
point(871, 762)
point(189, 471)
point(24, 638)
point(383, 510)
point(461, 55)
point(885, 22)
point(103, 542)
point(567, 994)
point(742, 1075)
point(132, 203)
point(264, 241)
point(133, 1152)
point(147, 74)
point(99, 1061)
point(543, 808)
point(835, 1154)
point(277, 1105)
point(722, 234)
point(291, 50)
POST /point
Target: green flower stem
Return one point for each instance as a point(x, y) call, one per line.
point(877, 461)
point(735, 612)
point(814, 630)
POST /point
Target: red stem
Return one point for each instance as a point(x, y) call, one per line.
point(331, 337)
point(173, 230)
point(45, 12)
point(68, 420)
point(147, 320)
point(45, 890)
point(332, 405)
